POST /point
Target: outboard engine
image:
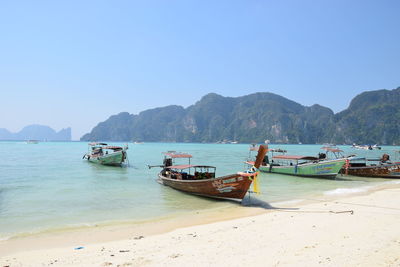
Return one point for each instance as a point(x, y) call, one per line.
point(385, 157)
point(265, 160)
point(167, 162)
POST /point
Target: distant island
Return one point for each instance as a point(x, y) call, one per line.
point(37, 132)
point(372, 117)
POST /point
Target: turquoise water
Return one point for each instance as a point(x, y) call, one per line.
point(48, 185)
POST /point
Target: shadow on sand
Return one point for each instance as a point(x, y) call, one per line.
point(251, 201)
point(248, 201)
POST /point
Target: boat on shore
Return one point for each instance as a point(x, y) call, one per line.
point(201, 179)
point(101, 153)
point(304, 166)
point(367, 167)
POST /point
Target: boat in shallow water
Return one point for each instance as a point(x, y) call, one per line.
point(101, 153)
point(372, 168)
point(201, 179)
point(367, 167)
point(305, 166)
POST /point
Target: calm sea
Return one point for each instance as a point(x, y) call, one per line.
point(48, 186)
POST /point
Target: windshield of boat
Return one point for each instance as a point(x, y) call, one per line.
point(333, 152)
point(189, 172)
point(253, 150)
point(99, 148)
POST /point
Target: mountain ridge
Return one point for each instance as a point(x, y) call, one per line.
point(372, 117)
point(37, 132)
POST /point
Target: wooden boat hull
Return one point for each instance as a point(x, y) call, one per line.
point(112, 159)
point(321, 169)
point(232, 186)
point(378, 171)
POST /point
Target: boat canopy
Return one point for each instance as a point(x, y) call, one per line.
point(173, 154)
point(253, 148)
point(332, 149)
point(294, 157)
point(187, 166)
point(277, 150)
point(97, 144)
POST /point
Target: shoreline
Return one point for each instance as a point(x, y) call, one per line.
point(245, 207)
point(114, 231)
point(92, 238)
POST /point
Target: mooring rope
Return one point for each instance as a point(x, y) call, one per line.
point(316, 211)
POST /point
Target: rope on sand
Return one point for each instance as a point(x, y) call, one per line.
point(316, 211)
point(335, 202)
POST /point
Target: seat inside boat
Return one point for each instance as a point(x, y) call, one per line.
point(182, 175)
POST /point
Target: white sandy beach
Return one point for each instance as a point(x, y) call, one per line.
point(308, 235)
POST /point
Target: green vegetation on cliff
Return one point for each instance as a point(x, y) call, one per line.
point(372, 117)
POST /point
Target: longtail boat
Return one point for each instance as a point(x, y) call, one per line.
point(305, 166)
point(367, 167)
point(101, 153)
point(201, 179)
point(364, 167)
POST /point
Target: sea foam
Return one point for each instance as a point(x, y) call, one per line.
point(393, 182)
point(347, 191)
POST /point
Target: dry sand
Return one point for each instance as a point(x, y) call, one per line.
point(307, 235)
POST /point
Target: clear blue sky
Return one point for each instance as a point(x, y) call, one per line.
point(75, 63)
